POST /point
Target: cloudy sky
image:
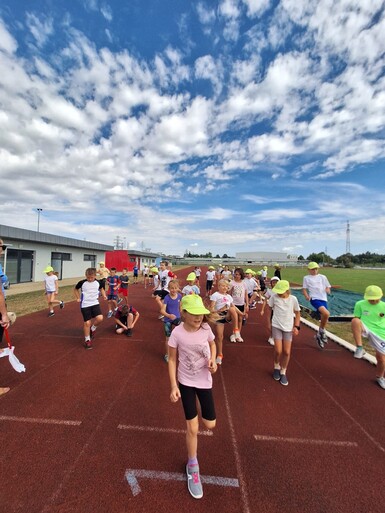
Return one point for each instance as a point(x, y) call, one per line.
point(222, 126)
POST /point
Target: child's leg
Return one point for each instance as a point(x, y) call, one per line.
point(357, 331)
point(192, 438)
point(285, 357)
point(219, 328)
point(277, 352)
point(130, 320)
point(325, 314)
point(86, 329)
point(234, 317)
point(380, 364)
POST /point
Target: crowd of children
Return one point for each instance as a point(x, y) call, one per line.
point(194, 328)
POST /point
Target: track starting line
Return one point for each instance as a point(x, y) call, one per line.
point(132, 476)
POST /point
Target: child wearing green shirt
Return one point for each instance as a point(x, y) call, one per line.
point(369, 321)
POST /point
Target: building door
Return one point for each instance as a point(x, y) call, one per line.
point(19, 265)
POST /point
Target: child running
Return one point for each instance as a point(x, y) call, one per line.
point(268, 293)
point(222, 304)
point(315, 288)
point(191, 287)
point(369, 321)
point(87, 294)
point(51, 290)
point(238, 291)
point(285, 323)
point(170, 310)
point(210, 279)
point(193, 344)
point(112, 286)
point(123, 287)
point(125, 318)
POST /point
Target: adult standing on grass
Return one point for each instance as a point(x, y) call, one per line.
point(4, 319)
point(315, 288)
point(369, 321)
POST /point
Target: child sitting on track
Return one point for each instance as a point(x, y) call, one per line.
point(369, 321)
point(125, 318)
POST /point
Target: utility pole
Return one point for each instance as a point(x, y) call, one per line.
point(347, 237)
point(38, 210)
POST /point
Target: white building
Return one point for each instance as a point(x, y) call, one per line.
point(265, 257)
point(30, 252)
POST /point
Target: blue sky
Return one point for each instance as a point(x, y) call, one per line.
point(238, 125)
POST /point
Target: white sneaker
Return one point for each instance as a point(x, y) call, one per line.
point(238, 337)
point(218, 361)
point(232, 338)
point(359, 352)
point(271, 341)
point(381, 382)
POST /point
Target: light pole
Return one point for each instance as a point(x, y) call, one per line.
point(38, 210)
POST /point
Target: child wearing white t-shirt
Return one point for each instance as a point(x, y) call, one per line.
point(222, 303)
point(285, 323)
point(51, 290)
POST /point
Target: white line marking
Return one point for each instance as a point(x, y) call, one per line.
point(243, 488)
point(309, 441)
point(131, 476)
point(370, 437)
point(162, 430)
point(41, 421)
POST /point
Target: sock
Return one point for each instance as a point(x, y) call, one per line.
point(283, 371)
point(88, 339)
point(192, 461)
point(93, 327)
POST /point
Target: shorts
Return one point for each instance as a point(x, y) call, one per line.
point(135, 275)
point(168, 326)
point(278, 334)
point(223, 319)
point(209, 284)
point(112, 297)
point(205, 398)
point(50, 292)
point(161, 293)
point(90, 312)
point(123, 292)
point(317, 303)
point(241, 308)
point(374, 340)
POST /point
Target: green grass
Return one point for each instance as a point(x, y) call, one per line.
point(355, 280)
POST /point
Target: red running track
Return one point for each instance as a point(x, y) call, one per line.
point(94, 431)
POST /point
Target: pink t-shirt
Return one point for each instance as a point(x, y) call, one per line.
point(238, 289)
point(193, 355)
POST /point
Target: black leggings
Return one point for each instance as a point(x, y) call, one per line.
point(205, 398)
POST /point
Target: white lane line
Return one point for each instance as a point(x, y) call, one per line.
point(162, 430)
point(309, 441)
point(243, 488)
point(132, 476)
point(41, 421)
point(368, 435)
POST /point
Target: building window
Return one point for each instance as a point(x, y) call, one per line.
point(61, 256)
point(132, 259)
point(89, 258)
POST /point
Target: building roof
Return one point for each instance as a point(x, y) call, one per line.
point(9, 232)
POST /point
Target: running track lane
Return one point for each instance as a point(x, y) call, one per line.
point(94, 431)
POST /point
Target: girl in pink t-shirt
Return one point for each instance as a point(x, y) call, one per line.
point(193, 343)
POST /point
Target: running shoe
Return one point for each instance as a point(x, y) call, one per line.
point(381, 382)
point(119, 300)
point(92, 333)
point(61, 304)
point(194, 481)
point(320, 342)
point(232, 338)
point(283, 380)
point(238, 337)
point(161, 317)
point(51, 314)
point(277, 374)
point(324, 337)
point(129, 332)
point(219, 359)
point(359, 352)
point(88, 344)
point(110, 314)
point(165, 358)
point(271, 341)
